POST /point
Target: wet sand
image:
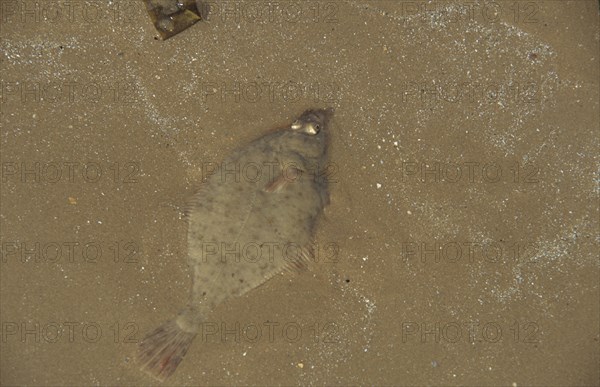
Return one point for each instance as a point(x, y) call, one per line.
point(463, 213)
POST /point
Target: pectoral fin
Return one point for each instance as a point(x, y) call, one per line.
point(287, 176)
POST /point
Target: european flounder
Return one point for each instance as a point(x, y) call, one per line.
point(253, 217)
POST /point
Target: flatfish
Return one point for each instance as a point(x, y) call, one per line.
point(253, 217)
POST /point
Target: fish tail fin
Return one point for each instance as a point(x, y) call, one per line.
point(161, 351)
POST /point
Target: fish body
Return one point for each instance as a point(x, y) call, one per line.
point(253, 218)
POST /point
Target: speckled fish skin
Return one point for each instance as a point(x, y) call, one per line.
point(245, 226)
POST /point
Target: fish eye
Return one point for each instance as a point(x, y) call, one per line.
point(312, 128)
point(296, 125)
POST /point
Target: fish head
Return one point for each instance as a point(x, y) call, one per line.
point(309, 132)
point(313, 121)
